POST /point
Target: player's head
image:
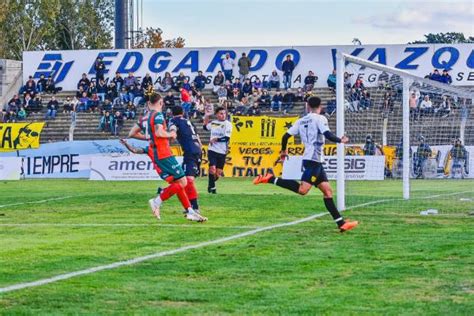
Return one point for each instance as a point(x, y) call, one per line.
point(314, 104)
point(221, 113)
point(155, 102)
point(177, 110)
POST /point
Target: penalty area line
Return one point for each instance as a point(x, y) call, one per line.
point(133, 261)
point(39, 201)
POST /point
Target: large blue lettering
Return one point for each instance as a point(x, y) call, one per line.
point(217, 59)
point(354, 53)
point(470, 60)
point(415, 53)
point(381, 56)
point(282, 55)
point(262, 58)
point(107, 63)
point(193, 58)
point(453, 58)
point(162, 64)
point(138, 59)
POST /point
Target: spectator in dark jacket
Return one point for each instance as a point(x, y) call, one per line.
point(276, 101)
point(218, 81)
point(179, 81)
point(446, 77)
point(265, 100)
point(287, 67)
point(117, 123)
point(169, 100)
point(118, 81)
point(247, 87)
point(99, 67)
point(200, 81)
point(41, 86)
point(310, 81)
point(102, 90)
point(288, 100)
point(106, 122)
point(244, 64)
point(84, 82)
point(435, 76)
point(146, 81)
point(30, 87)
point(254, 110)
point(52, 107)
point(332, 80)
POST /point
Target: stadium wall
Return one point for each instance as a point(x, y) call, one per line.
point(67, 66)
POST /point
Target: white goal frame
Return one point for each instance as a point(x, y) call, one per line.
point(407, 79)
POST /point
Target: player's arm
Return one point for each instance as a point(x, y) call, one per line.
point(136, 132)
point(323, 126)
point(133, 149)
point(161, 132)
point(173, 128)
point(205, 123)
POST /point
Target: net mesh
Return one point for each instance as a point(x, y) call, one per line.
point(441, 142)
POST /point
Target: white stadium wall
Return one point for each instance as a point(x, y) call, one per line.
point(67, 66)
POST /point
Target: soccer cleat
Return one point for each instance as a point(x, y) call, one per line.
point(262, 179)
point(195, 217)
point(348, 226)
point(212, 190)
point(155, 207)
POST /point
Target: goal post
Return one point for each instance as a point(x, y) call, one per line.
point(391, 111)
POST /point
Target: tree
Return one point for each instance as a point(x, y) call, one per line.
point(152, 38)
point(445, 38)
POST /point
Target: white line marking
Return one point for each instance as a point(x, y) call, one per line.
point(70, 275)
point(152, 256)
point(40, 201)
point(121, 225)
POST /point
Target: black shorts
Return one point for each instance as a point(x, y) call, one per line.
point(216, 159)
point(313, 172)
point(192, 165)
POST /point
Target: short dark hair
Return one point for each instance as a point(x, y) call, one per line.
point(177, 110)
point(314, 102)
point(220, 108)
point(154, 98)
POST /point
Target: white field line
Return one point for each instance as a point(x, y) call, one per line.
point(118, 264)
point(46, 225)
point(39, 201)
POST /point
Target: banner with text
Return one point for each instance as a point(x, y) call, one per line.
point(67, 66)
point(10, 168)
point(18, 136)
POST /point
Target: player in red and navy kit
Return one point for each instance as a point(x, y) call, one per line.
point(192, 151)
point(153, 128)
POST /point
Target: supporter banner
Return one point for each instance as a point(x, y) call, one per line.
point(10, 168)
point(18, 136)
point(67, 66)
point(121, 168)
point(260, 130)
point(356, 167)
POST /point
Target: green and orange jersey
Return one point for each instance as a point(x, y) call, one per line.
point(159, 147)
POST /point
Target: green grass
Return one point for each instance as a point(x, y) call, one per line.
point(396, 262)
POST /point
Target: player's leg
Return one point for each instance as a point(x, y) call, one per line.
point(211, 186)
point(191, 169)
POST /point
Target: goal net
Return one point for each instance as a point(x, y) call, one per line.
point(411, 143)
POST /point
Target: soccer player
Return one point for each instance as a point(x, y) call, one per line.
point(153, 128)
point(192, 151)
point(220, 129)
point(312, 129)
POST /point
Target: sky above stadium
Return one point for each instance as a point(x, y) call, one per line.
point(208, 23)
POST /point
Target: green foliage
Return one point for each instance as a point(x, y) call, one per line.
point(55, 25)
point(395, 263)
point(445, 38)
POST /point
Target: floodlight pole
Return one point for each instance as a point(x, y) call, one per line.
point(341, 190)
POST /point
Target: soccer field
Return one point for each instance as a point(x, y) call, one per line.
point(395, 262)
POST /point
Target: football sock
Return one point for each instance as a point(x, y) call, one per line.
point(332, 209)
point(183, 198)
point(291, 185)
point(212, 181)
point(169, 191)
point(192, 193)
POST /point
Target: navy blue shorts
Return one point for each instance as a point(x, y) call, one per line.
point(192, 165)
point(216, 159)
point(313, 172)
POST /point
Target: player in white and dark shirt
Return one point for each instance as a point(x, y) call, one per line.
point(220, 129)
point(312, 129)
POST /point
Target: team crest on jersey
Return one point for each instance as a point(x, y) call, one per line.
point(314, 178)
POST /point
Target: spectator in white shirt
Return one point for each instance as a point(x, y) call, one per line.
point(227, 66)
point(426, 106)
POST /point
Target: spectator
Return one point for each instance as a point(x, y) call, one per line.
point(273, 81)
point(200, 81)
point(198, 102)
point(426, 106)
point(30, 87)
point(167, 83)
point(92, 89)
point(446, 77)
point(287, 67)
point(254, 110)
point(118, 82)
point(365, 101)
point(102, 90)
point(227, 66)
point(14, 102)
point(67, 105)
point(21, 114)
point(287, 102)
point(244, 64)
point(106, 122)
point(413, 104)
point(41, 86)
point(28, 104)
point(276, 102)
point(230, 89)
point(241, 109)
point(237, 85)
point(52, 108)
point(99, 67)
point(354, 100)
point(218, 81)
point(186, 85)
point(247, 87)
point(130, 111)
point(185, 101)
point(130, 81)
point(208, 107)
point(445, 107)
point(347, 80)
point(84, 83)
point(358, 84)
point(388, 102)
point(75, 104)
point(435, 76)
point(299, 95)
point(179, 81)
point(112, 93)
point(138, 96)
point(332, 80)
point(310, 81)
point(257, 84)
point(147, 81)
point(383, 80)
point(169, 100)
point(265, 100)
point(107, 106)
point(117, 123)
point(222, 94)
point(94, 102)
point(84, 102)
